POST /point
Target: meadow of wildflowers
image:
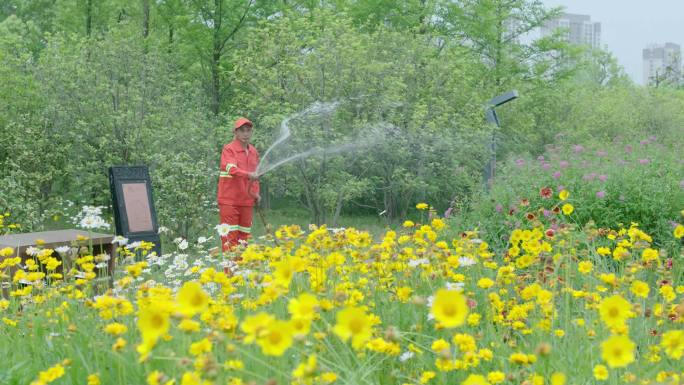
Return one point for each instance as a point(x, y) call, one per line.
point(558, 304)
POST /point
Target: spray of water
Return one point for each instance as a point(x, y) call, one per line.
point(316, 108)
point(374, 135)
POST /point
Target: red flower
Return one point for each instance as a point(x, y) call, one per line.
point(546, 192)
point(550, 233)
point(531, 216)
point(525, 202)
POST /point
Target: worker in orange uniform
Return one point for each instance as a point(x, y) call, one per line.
point(238, 187)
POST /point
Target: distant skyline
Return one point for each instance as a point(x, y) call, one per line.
point(628, 26)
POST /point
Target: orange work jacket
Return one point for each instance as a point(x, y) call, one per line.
point(234, 186)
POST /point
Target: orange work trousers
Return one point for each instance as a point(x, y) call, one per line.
point(239, 218)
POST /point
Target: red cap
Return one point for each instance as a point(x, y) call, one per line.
point(241, 122)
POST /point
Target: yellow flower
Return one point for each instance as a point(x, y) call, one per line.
point(558, 379)
point(408, 224)
point(563, 195)
point(427, 376)
point(192, 378)
point(115, 329)
point(276, 339)
point(328, 377)
point(496, 377)
point(119, 345)
point(485, 283)
point(192, 299)
point(283, 273)
point(649, 254)
point(187, 325)
point(305, 306)
point(422, 206)
point(568, 209)
point(585, 267)
point(49, 375)
point(603, 251)
point(673, 342)
point(475, 379)
point(522, 358)
point(640, 288)
point(449, 308)
point(254, 325)
point(679, 231)
point(154, 378)
point(153, 322)
point(404, 293)
point(617, 351)
point(94, 379)
point(600, 372)
point(200, 347)
point(614, 311)
point(354, 323)
point(305, 369)
point(440, 346)
point(300, 326)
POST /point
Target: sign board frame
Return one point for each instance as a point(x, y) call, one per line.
point(135, 216)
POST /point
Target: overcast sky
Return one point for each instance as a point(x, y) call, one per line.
point(628, 26)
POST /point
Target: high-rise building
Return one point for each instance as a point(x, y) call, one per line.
point(578, 29)
point(662, 64)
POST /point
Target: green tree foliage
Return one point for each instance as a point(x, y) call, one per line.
point(88, 84)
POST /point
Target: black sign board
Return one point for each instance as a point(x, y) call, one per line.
point(134, 213)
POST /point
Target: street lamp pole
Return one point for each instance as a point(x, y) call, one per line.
point(490, 115)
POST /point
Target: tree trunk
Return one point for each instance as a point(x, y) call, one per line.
point(216, 59)
point(338, 209)
point(170, 36)
point(146, 18)
point(215, 81)
point(89, 17)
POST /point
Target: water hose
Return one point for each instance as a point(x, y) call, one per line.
point(260, 212)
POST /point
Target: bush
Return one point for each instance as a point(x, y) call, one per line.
point(608, 184)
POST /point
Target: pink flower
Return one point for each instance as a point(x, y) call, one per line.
point(564, 164)
point(644, 161)
point(540, 158)
point(578, 148)
point(628, 148)
point(603, 177)
point(556, 175)
point(498, 208)
point(601, 153)
point(520, 162)
point(681, 184)
point(600, 194)
point(546, 166)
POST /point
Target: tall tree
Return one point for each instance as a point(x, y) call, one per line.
point(213, 26)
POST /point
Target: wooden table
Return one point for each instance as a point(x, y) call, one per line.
point(101, 243)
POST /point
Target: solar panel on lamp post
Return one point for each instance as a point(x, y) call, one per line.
point(490, 115)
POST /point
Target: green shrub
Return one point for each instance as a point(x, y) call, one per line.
point(608, 184)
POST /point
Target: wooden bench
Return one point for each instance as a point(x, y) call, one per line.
point(101, 243)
